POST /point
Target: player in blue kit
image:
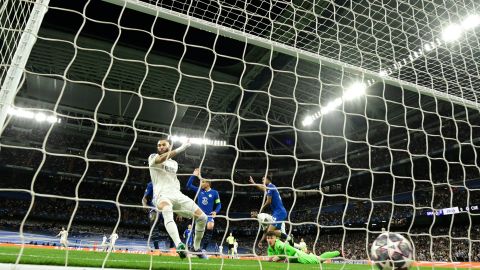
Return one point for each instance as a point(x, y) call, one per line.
point(188, 236)
point(279, 213)
point(208, 200)
point(152, 214)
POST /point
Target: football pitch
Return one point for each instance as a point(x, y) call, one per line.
point(41, 256)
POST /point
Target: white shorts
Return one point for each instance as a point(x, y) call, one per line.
point(282, 228)
point(63, 241)
point(182, 205)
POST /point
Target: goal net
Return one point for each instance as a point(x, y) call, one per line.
point(364, 114)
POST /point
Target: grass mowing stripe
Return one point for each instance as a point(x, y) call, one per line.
point(41, 256)
point(119, 260)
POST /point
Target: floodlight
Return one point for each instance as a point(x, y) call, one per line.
point(331, 106)
point(52, 119)
point(40, 117)
point(307, 120)
point(451, 32)
point(471, 22)
point(196, 140)
point(355, 90)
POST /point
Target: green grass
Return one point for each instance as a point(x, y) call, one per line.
point(141, 261)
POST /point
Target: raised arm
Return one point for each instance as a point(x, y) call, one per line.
point(190, 185)
point(258, 186)
point(158, 159)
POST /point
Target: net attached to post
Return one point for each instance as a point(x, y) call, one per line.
point(363, 115)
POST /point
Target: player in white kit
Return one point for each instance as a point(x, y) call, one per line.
point(113, 238)
point(63, 237)
point(168, 198)
point(265, 220)
point(104, 243)
point(235, 249)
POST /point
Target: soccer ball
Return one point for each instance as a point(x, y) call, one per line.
point(391, 251)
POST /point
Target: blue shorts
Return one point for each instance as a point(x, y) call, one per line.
point(210, 219)
point(279, 217)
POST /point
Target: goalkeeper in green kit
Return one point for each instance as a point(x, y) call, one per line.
point(280, 250)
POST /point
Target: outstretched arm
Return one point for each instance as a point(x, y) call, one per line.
point(158, 159)
point(190, 185)
point(258, 186)
point(275, 259)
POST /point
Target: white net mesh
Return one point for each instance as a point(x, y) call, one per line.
point(365, 113)
point(13, 19)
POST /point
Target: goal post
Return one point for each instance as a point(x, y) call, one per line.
point(395, 146)
point(19, 41)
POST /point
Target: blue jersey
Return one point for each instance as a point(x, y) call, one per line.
point(277, 204)
point(208, 201)
point(188, 237)
point(149, 194)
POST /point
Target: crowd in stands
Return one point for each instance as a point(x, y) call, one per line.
point(455, 243)
point(103, 191)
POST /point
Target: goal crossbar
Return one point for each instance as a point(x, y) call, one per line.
point(191, 21)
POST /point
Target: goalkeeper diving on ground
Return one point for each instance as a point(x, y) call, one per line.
point(279, 251)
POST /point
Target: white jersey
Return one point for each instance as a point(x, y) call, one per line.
point(303, 246)
point(163, 175)
point(63, 235)
point(113, 237)
point(104, 240)
point(266, 219)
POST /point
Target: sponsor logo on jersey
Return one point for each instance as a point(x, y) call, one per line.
point(171, 168)
point(204, 200)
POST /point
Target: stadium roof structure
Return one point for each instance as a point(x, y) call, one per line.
point(364, 34)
